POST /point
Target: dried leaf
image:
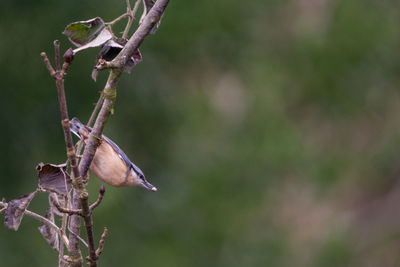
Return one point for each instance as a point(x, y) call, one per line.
point(16, 210)
point(104, 36)
point(111, 49)
point(135, 59)
point(82, 32)
point(94, 73)
point(54, 178)
point(49, 233)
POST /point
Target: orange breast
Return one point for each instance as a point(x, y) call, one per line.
point(109, 167)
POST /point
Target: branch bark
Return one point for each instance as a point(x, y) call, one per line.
point(151, 19)
point(80, 173)
point(58, 75)
point(109, 93)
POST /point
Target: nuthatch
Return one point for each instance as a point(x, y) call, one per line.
point(110, 164)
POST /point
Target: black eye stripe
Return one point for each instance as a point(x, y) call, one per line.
point(138, 172)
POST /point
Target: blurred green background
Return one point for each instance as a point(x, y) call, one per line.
point(271, 129)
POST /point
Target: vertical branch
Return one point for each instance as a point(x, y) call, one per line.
point(81, 197)
point(57, 54)
point(64, 222)
point(73, 248)
point(109, 93)
point(80, 173)
point(74, 229)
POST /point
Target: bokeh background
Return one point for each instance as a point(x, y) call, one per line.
point(271, 128)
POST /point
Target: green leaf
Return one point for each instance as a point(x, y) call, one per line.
point(82, 32)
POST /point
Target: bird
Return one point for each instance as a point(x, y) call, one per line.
point(110, 164)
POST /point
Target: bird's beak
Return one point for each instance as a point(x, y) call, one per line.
point(148, 186)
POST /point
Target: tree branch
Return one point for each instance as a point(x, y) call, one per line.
point(49, 224)
point(151, 19)
point(109, 92)
point(94, 139)
point(80, 173)
point(64, 221)
point(73, 247)
point(66, 210)
point(110, 89)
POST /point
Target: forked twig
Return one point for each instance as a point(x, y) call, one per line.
point(101, 242)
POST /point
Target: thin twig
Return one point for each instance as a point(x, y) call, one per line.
point(101, 242)
point(128, 6)
point(57, 54)
point(64, 112)
point(48, 64)
point(135, 8)
point(49, 224)
point(90, 122)
point(131, 17)
point(64, 221)
point(66, 210)
point(78, 237)
point(96, 109)
point(111, 23)
point(99, 199)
